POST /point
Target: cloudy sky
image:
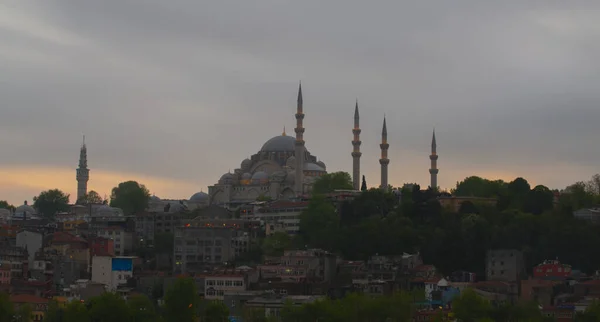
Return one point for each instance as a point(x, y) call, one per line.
point(175, 93)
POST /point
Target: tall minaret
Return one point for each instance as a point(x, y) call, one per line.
point(356, 151)
point(83, 173)
point(433, 157)
point(299, 149)
point(384, 161)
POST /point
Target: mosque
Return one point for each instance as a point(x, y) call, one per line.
point(275, 172)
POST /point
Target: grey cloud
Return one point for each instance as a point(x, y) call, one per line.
point(187, 89)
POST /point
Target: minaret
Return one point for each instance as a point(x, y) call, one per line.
point(356, 151)
point(299, 149)
point(433, 157)
point(384, 161)
point(83, 173)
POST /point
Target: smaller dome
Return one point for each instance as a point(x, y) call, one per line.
point(312, 167)
point(154, 198)
point(105, 210)
point(175, 207)
point(227, 178)
point(291, 162)
point(246, 176)
point(199, 197)
point(260, 177)
point(246, 164)
point(25, 208)
point(322, 165)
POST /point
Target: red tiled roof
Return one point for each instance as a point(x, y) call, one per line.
point(65, 237)
point(26, 298)
point(423, 268)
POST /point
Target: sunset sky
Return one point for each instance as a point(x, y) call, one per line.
point(175, 93)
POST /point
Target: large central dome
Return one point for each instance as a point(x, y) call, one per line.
point(281, 143)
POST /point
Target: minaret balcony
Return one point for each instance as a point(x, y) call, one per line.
point(384, 162)
point(384, 146)
point(433, 157)
point(356, 154)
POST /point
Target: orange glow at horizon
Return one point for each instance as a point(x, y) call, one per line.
point(18, 181)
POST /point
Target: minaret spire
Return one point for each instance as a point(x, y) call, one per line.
point(299, 151)
point(83, 173)
point(384, 161)
point(356, 150)
point(433, 170)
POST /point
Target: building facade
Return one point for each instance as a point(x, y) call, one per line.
point(112, 271)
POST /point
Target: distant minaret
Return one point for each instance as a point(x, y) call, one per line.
point(433, 157)
point(83, 173)
point(384, 161)
point(299, 149)
point(356, 151)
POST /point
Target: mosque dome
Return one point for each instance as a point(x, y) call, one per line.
point(199, 197)
point(246, 164)
point(25, 208)
point(322, 165)
point(260, 177)
point(312, 167)
point(154, 198)
point(105, 210)
point(281, 143)
point(291, 162)
point(227, 178)
point(175, 207)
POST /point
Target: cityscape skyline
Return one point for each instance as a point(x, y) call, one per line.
point(186, 101)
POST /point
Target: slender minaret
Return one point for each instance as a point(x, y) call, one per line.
point(299, 149)
point(384, 161)
point(433, 157)
point(83, 173)
point(356, 151)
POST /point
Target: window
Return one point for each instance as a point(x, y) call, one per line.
point(228, 283)
point(232, 304)
point(501, 272)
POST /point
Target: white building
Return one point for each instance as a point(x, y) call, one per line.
point(30, 240)
point(216, 285)
point(112, 271)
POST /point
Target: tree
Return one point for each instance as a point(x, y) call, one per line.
point(5, 205)
point(332, 181)
point(75, 311)
point(216, 312)
point(363, 186)
point(92, 197)
point(130, 196)
point(142, 309)
point(478, 187)
point(49, 202)
point(470, 307)
point(181, 301)
point(23, 313)
point(109, 307)
point(319, 223)
point(6, 308)
point(54, 313)
point(275, 244)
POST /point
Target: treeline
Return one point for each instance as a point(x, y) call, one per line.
point(524, 218)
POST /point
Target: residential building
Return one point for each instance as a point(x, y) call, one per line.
point(16, 258)
point(504, 265)
point(101, 246)
point(122, 238)
point(112, 271)
point(279, 213)
point(212, 241)
point(272, 304)
point(552, 269)
point(318, 263)
point(147, 224)
point(5, 274)
point(588, 214)
point(38, 305)
point(30, 240)
point(215, 286)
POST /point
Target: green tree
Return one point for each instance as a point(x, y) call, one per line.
point(23, 313)
point(92, 197)
point(6, 308)
point(275, 244)
point(50, 202)
point(591, 313)
point(331, 182)
point(470, 307)
point(54, 313)
point(5, 205)
point(216, 312)
point(76, 311)
point(130, 196)
point(319, 224)
point(363, 186)
point(142, 309)
point(538, 200)
point(181, 301)
point(478, 187)
point(109, 307)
